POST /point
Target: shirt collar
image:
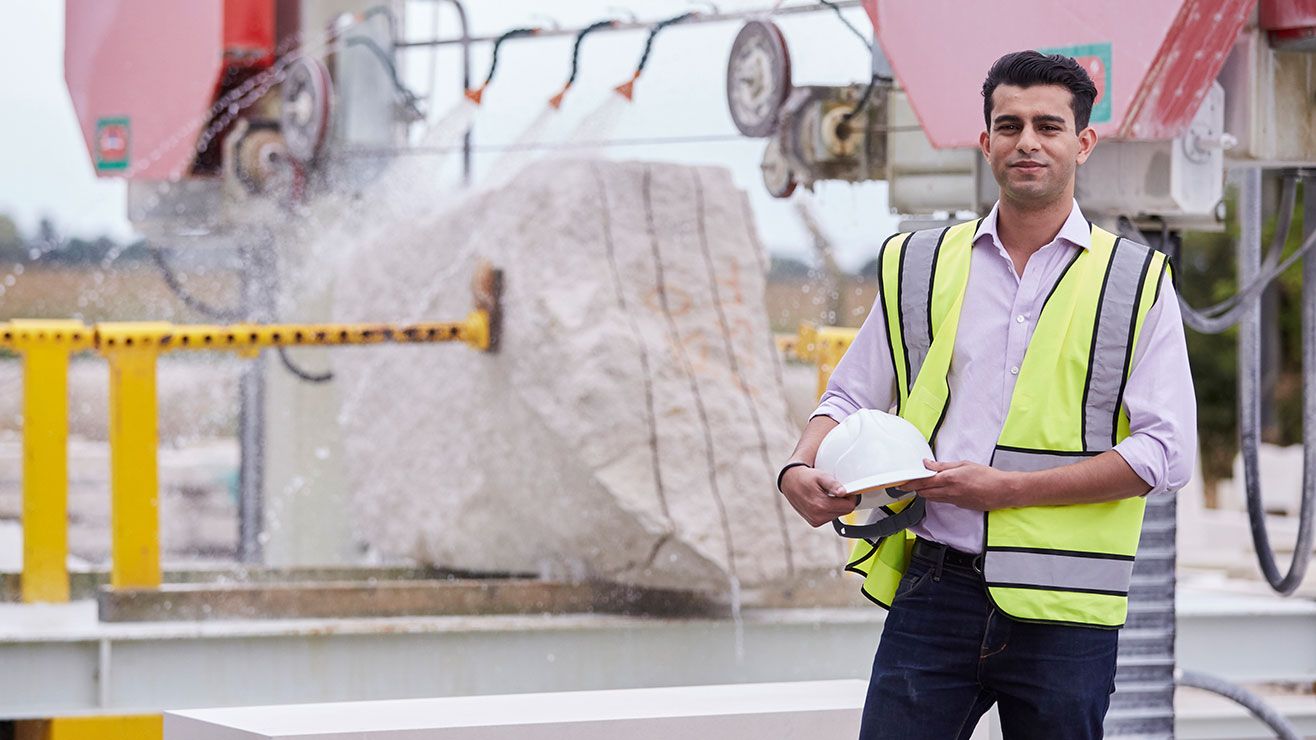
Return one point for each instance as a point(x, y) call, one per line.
point(1076, 229)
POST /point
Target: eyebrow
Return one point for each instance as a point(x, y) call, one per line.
point(1044, 118)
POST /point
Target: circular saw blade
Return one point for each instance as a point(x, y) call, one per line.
point(758, 77)
point(307, 99)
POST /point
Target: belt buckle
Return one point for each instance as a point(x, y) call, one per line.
point(977, 564)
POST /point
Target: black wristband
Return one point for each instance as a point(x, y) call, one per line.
point(788, 467)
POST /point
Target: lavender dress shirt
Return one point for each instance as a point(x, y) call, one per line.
point(1000, 311)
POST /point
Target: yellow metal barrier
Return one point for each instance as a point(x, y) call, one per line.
point(133, 727)
point(131, 350)
point(45, 347)
point(823, 346)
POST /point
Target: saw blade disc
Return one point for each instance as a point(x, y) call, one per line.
point(307, 98)
point(758, 77)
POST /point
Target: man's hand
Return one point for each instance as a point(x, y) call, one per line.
point(816, 495)
point(967, 485)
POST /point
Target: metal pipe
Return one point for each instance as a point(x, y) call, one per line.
point(1249, 391)
point(465, 39)
point(641, 25)
point(258, 302)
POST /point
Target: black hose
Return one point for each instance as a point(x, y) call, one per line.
point(863, 100)
point(1249, 398)
point(176, 287)
point(653, 31)
point(218, 314)
point(498, 42)
point(389, 17)
point(1220, 316)
point(848, 24)
point(301, 374)
point(408, 97)
point(575, 49)
point(1283, 728)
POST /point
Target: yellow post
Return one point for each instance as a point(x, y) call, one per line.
point(830, 344)
point(45, 346)
point(131, 350)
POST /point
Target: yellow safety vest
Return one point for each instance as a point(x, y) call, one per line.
point(1066, 564)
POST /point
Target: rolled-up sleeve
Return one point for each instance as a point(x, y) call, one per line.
point(864, 378)
point(1162, 443)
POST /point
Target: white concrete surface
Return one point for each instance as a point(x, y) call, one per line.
point(820, 709)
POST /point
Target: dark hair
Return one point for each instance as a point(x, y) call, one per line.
point(1028, 68)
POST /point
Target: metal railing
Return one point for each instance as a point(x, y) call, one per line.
point(131, 350)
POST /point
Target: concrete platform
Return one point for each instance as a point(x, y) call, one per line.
point(61, 660)
point(345, 600)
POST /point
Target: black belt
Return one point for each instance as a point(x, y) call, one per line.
point(939, 553)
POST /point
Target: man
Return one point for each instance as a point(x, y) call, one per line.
point(1044, 359)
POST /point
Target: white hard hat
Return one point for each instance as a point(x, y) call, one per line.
point(872, 450)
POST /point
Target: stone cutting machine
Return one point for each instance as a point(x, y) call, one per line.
point(1187, 89)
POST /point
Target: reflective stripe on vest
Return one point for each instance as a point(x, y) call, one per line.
point(1069, 564)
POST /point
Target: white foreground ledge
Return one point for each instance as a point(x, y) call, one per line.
point(816, 710)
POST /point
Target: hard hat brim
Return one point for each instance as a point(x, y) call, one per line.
point(885, 480)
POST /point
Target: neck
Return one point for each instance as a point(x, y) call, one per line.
point(1025, 228)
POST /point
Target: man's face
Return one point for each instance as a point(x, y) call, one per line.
point(1032, 146)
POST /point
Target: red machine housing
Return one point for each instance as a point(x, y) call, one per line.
point(1156, 60)
point(143, 76)
point(1289, 22)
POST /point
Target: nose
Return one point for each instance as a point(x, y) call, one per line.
point(1028, 141)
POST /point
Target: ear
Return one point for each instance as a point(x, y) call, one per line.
point(1087, 141)
point(985, 144)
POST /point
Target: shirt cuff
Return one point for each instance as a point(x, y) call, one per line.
point(1147, 458)
point(833, 408)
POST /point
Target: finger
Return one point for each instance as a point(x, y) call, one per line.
point(937, 467)
point(931, 484)
point(830, 485)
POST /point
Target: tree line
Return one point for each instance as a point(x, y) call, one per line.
point(47, 246)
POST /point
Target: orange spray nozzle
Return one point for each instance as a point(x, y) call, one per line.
point(627, 88)
point(555, 102)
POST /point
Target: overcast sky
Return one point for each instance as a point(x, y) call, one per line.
point(46, 171)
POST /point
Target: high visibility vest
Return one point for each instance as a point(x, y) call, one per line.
point(1067, 564)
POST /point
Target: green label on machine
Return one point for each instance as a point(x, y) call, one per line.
point(113, 136)
point(1095, 58)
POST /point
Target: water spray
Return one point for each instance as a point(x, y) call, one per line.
point(476, 94)
point(555, 102)
point(627, 88)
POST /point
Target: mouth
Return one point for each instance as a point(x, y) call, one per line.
point(1028, 166)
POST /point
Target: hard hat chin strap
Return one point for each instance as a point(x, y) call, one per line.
point(886, 526)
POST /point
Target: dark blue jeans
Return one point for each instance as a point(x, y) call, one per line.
point(947, 655)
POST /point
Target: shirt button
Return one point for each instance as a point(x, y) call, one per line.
point(1019, 318)
point(1014, 370)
